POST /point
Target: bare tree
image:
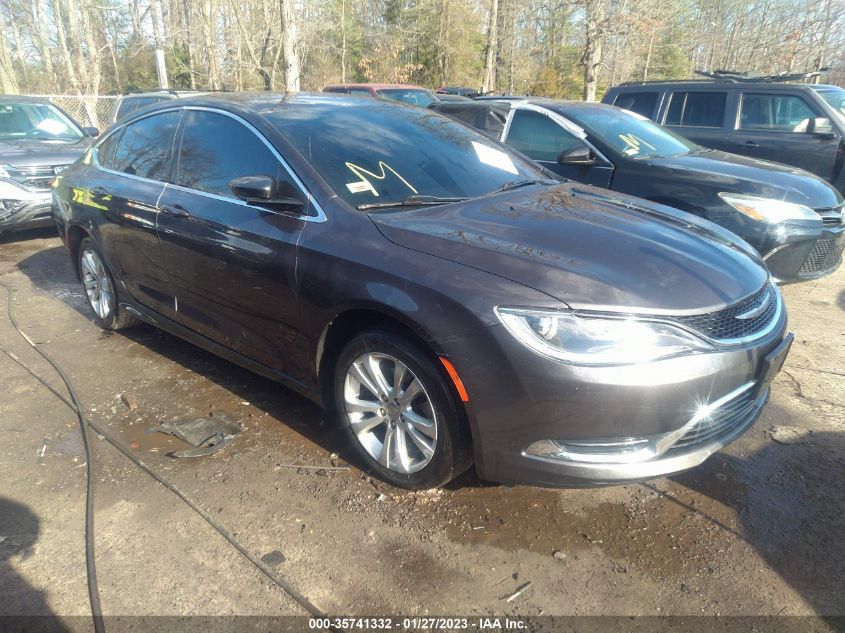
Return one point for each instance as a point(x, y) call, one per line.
point(290, 45)
point(488, 83)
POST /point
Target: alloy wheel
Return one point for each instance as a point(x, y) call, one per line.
point(97, 283)
point(390, 412)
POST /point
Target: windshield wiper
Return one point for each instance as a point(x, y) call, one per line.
point(410, 201)
point(516, 184)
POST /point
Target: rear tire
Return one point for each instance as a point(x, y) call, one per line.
point(399, 412)
point(100, 289)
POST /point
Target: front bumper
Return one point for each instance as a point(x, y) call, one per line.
point(806, 254)
point(518, 399)
point(24, 208)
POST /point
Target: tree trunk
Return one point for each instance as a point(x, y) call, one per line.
point(488, 84)
point(63, 49)
point(8, 80)
point(290, 44)
point(592, 56)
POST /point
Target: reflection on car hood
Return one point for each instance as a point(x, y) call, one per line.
point(587, 249)
point(743, 174)
point(33, 152)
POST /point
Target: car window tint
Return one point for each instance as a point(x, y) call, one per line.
point(779, 113)
point(127, 105)
point(105, 150)
point(216, 149)
point(640, 102)
point(538, 137)
point(697, 109)
point(145, 101)
point(145, 145)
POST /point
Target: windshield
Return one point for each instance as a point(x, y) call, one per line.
point(382, 153)
point(628, 134)
point(835, 98)
point(35, 121)
point(412, 96)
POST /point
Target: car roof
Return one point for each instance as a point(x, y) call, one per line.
point(22, 99)
point(377, 86)
point(714, 83)
point(164, 92)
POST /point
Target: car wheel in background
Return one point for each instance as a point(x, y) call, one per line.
point(399, 412)
point(100, 289)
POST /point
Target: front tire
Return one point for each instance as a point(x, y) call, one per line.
point(399, 412)
point(100, 289)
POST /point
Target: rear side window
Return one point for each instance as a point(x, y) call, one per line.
point(144, 146)
point(216, 149)
point(778, 113)
point(697, 109)
point(538, 137)
point(105, 150)
point(642, 103)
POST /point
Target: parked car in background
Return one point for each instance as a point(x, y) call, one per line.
point(462, 91)
point(128, 103)
point(440, 295)
point(802, 125)
point(412, 95)
point(445, 97)
point(37, 141)
point(792, 218)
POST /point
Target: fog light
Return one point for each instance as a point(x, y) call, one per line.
point(603, 450)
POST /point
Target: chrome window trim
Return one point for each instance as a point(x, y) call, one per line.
point(319, 216)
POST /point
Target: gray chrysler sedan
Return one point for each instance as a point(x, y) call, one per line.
point(37, 141)
point(442, 297)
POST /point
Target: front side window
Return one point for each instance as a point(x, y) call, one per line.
point(216, 149)
point(421, 98)
point(538, 137)
point(144, 147)
point(376, 152)
point(36, 121)
point(640, 102)
point(629, 135)
point(697, 109)
point(774, 113)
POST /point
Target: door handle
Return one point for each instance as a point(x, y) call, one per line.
point(176, 211)
point(99, 191)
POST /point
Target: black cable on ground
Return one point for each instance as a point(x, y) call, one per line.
point(86, 424)
point(90, 563)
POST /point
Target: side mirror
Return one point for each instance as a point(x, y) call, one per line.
point(821, 127)
point(580, 155)
point(264, 191)
point(91, 131)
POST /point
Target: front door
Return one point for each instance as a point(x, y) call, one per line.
point(542, 139)
point(232, 264)
point(773, 126)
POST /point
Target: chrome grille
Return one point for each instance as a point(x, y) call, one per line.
point(38, 177)
point(723, 422)
point(825, 256)
point(733, 323)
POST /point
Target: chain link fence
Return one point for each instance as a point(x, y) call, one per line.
point(87, 111)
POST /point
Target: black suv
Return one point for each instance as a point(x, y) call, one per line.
point(798, 124)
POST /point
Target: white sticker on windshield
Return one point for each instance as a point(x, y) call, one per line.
point(51, 126)
point(494, 157)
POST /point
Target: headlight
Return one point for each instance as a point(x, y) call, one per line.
point(597, 339)
point(768, 209)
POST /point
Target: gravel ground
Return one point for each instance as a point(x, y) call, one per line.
point(756, 530)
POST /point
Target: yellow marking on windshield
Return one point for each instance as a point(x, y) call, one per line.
point(634, 143)
point(365, 185)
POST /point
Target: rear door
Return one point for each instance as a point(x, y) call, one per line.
point(542, 139)
point(232, 264)
point(134, 163)
point(701, 115)
point(773, 125)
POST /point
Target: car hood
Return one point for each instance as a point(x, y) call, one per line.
point(35, 152)
point(588, 248)
point(753, 176)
